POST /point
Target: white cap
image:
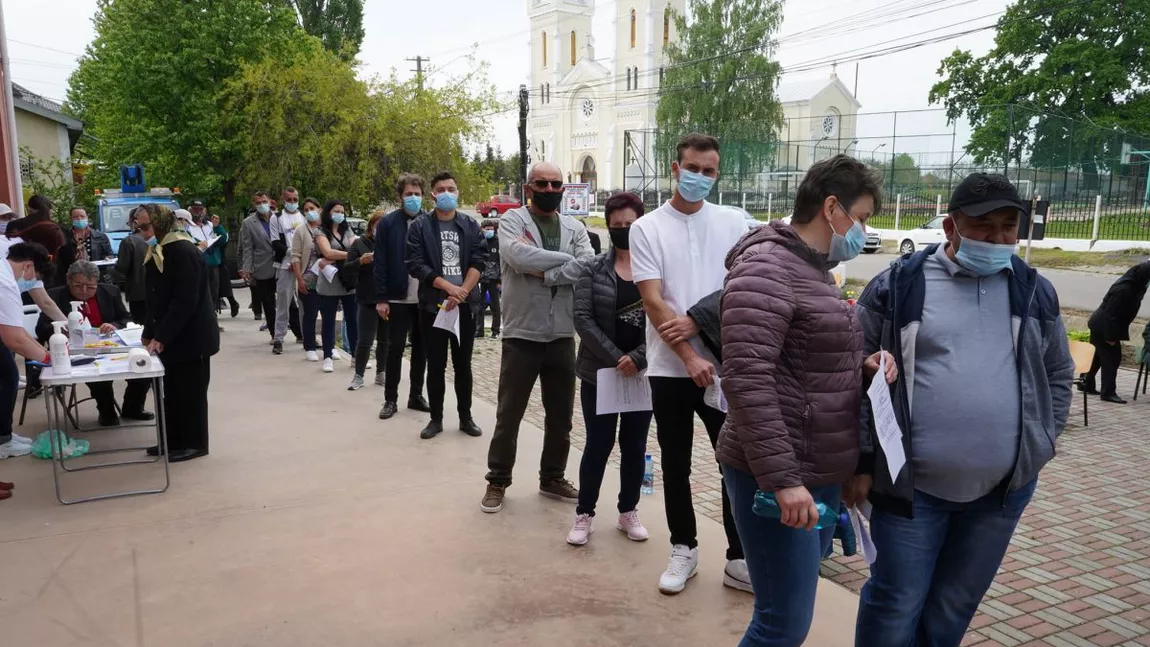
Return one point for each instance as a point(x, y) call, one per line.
point(184, 214)
point(5, 210)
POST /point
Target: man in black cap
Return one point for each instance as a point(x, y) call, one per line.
point(983, 392)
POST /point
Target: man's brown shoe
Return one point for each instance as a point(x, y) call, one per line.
point(560, 490)
point(493, 500)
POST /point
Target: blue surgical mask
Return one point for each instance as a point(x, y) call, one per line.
point(694, 187)
point(79, 224)
point(489, 234)
point(447, 201)
point(313, 216)
point(151, 241)
point(291, 207)
point(846, 248)
point(412, 204)
point(338, 218)
point(984, 259)
point(263, 209)
point(25, 284)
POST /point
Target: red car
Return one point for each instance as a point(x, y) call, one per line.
point(497, 206)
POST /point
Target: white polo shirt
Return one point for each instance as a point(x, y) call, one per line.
point(688, 254)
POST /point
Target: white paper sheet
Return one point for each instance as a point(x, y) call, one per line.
point(131, 336)
point(328, 272)
point(616, 393)
point(448, 320)
point(714, 397)
point(860, 515)
point(113, 363)
point(885, 422)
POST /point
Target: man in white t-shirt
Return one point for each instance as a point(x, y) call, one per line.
point(678, 255)
point(25, 264)
point(283, 229)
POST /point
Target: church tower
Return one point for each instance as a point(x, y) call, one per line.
point(560, 30)
point(643, 30)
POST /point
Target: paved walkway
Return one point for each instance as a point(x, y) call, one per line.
point(1078, 572)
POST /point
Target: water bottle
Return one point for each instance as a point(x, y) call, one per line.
point(766, 506)
point(649, 475)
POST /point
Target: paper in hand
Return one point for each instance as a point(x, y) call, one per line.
point(448, 320)
point(617, 393)
point(328, 271)
point(885, 422)
point(714, 397)
point(860, 515)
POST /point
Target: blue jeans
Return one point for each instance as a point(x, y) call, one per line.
point(327, 309)
point(933, 570)
point(783, 563)
point(310, 307)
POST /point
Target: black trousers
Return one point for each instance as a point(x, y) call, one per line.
point(138, 310)
point(522, 362)
point(437, 342)
point(633, 427)
point(135, 394)
point(1107, 357)
point(372, 328)
point(488, 290)
point(186, 402)
point(225, 286)
point(402, 323)
point(264, 301)
point(676, 401)
point(214, 286)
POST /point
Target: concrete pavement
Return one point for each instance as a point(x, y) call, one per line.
point(314, 523)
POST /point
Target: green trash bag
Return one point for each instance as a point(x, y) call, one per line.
point(69, 447)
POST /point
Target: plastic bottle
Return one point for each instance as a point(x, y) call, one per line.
point(58, 349)
point(766, 506)
point(76, 325)
point(649, 475)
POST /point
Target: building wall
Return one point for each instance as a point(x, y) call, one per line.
point(42, 136)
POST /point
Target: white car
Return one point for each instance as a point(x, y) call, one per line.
point(928, 233)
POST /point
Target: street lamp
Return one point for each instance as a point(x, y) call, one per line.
point(847, 149)
point(815, 149)
point(875, 151)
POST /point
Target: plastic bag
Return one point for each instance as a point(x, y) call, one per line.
point(68, 447)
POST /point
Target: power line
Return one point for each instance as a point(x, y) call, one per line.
point(50, 49)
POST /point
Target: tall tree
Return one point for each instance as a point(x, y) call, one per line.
point(338, 23)
point(1060, 78)
point(721, 75)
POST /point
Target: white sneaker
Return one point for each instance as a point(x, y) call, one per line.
point(328, 366)
point(369, 366)
point(630, 524)
point(683, 566)
point(12, 449)
point(22, 440)
point(736, 576)
point(580, 531)
point(312, 356)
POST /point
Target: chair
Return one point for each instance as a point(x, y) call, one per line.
point(1143, 373)
point(1083, 355)
point(71, 403)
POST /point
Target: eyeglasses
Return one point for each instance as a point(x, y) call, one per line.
point(88, 287)
point(543, 184)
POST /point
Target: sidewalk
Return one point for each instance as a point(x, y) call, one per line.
point(314, 523)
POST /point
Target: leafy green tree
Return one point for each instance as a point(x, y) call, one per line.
point(721, 75)
point(147, 88)
point(338, 23)
point(1060, 77)
point(906, 171)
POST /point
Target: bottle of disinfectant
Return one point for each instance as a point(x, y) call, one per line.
point(58, 349)
point(76, 325)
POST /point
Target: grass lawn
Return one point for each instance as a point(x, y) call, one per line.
point(1062, 259)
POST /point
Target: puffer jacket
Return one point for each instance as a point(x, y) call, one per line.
point(792, 364)
point(595, 294)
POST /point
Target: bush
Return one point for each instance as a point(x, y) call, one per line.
point(1078, 335)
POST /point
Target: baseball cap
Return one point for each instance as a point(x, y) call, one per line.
point(183, 214)
point(5, 210)
point(196, 203)
point(983, 193)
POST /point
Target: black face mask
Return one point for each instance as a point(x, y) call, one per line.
point(620, 237)
point(546, 202)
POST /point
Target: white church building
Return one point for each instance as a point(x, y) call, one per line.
point(582, 106)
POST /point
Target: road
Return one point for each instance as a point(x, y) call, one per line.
point(1077, 290)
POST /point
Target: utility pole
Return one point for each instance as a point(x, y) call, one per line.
point(524, 108)
point(419, 61)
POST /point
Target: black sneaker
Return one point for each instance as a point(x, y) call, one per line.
point(235, 309)
point(470, 428)
point(389, 409)
point(433, 429)
point(109, 420)
point(418, 403)
point(277, 348)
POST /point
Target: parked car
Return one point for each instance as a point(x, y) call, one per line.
point(497, 206)
point(928, 233)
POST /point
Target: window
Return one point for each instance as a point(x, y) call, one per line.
point(666, 27)
point(543, 39)
point(572, 46)
point(635, 74)
point(542, 151)
point(661, 77)
point(628, 78)
point(548, 93)
point(542, 93)
point(633, 27)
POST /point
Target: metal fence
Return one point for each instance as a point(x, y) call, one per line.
point(1095, 178)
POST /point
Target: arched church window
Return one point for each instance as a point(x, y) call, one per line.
point(666, 27)
point(636, 75)
point(542, 151)
point(628, 79)
point(633, 28)
point(543, 41)
point(572, 46)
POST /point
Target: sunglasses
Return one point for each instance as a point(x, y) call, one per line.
point(543, 184)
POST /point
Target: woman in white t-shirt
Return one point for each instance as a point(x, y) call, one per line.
point(24, 264)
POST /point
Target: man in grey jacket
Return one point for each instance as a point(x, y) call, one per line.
point(540, 253)
point(983, 391)
point(258, 257)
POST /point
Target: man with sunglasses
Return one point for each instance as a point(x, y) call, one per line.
point(541, 253)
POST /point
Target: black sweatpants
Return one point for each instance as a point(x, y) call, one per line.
point(264, 298)
point(1107, 357)
point(186, 402)
point(437, 342)
point(676, 401)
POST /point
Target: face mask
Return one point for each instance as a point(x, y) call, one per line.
point(412, 204)
point(446, 201)
point(546, 202)
point(263, 209)
point(694, 187)
point(79, 224)
point(3, 226)
point(620, 237)
point(337, 218)
point(291, 207)
point(313, 216)
point(984, 259)
point(24, 284)
point(151, 241)
point(489, 234)
point(845, 248)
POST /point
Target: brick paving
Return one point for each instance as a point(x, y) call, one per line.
point(1078, 570)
